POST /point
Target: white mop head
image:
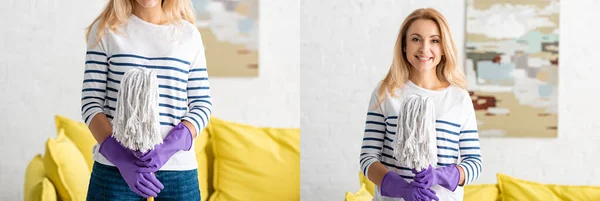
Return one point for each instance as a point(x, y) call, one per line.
point(136, 124)
point(416, 136)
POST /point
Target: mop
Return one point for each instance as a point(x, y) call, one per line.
point(136, 123)
point(416, 143)
point(416, 136)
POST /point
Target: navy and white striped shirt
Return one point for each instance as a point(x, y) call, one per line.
point(456, 126)
point(175, 52)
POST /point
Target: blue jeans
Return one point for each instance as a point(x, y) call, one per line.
point(106, 183)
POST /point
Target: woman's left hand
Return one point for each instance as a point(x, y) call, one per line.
point(447, 177)
point(179, 138)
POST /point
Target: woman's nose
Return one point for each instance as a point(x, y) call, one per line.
point(424, 48)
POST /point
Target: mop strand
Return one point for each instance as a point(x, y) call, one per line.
point(416, 135)
point(136, 124)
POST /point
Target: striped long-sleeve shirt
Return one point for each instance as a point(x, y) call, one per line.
point(456, 126)
point(175, 52)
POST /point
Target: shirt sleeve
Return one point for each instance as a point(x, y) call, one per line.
point(198, 91)
point(470, 150)
point(93, 92)
point(374, 134)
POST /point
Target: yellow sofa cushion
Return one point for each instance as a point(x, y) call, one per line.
point(482, 192)
point(66, 168)
point(203, 149)
point(513, 189)
point(37, 187)
point(253, 163)
point(81, 136)
point(362, 194)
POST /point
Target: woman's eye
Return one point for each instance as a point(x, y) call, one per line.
point(435, 41)
point(415, 40)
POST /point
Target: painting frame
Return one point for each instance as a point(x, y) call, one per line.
point(511, 66)
point(230, 34)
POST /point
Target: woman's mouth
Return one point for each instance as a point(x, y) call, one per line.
point(424, 58)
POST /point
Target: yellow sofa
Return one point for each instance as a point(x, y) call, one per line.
point(507, 189)
point(235, 162)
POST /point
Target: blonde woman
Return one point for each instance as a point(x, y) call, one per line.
point(160, 36)
point(424, 64)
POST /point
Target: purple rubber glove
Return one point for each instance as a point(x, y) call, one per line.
point(446, 177)
point(179, 138)
point(140, 179)
point(395, 186)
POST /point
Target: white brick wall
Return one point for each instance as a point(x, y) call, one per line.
point(42, 51)
point(346, 48)
point(272, 99)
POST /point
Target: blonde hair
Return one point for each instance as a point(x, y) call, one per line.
point(447, 70)
point(117, 12)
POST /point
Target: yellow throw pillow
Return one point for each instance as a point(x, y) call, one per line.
point(361, 195)
point(255, 163)
point(48, 191)
point(66, 168)
point(369, 185)
point(37, 186)
point(482, 192)
point(513, 189)
point(204, 158)
point(81, 136)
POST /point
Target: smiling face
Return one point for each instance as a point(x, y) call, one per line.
point(423, 48)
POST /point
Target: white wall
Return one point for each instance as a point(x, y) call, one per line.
point(346, 48)
point(42, 54)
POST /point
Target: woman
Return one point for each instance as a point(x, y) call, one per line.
point(425, 65)
point(160, 36)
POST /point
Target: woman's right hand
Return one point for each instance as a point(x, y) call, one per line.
point(140, 179)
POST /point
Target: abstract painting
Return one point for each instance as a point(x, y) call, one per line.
point(229, 30)
point(512, 66)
